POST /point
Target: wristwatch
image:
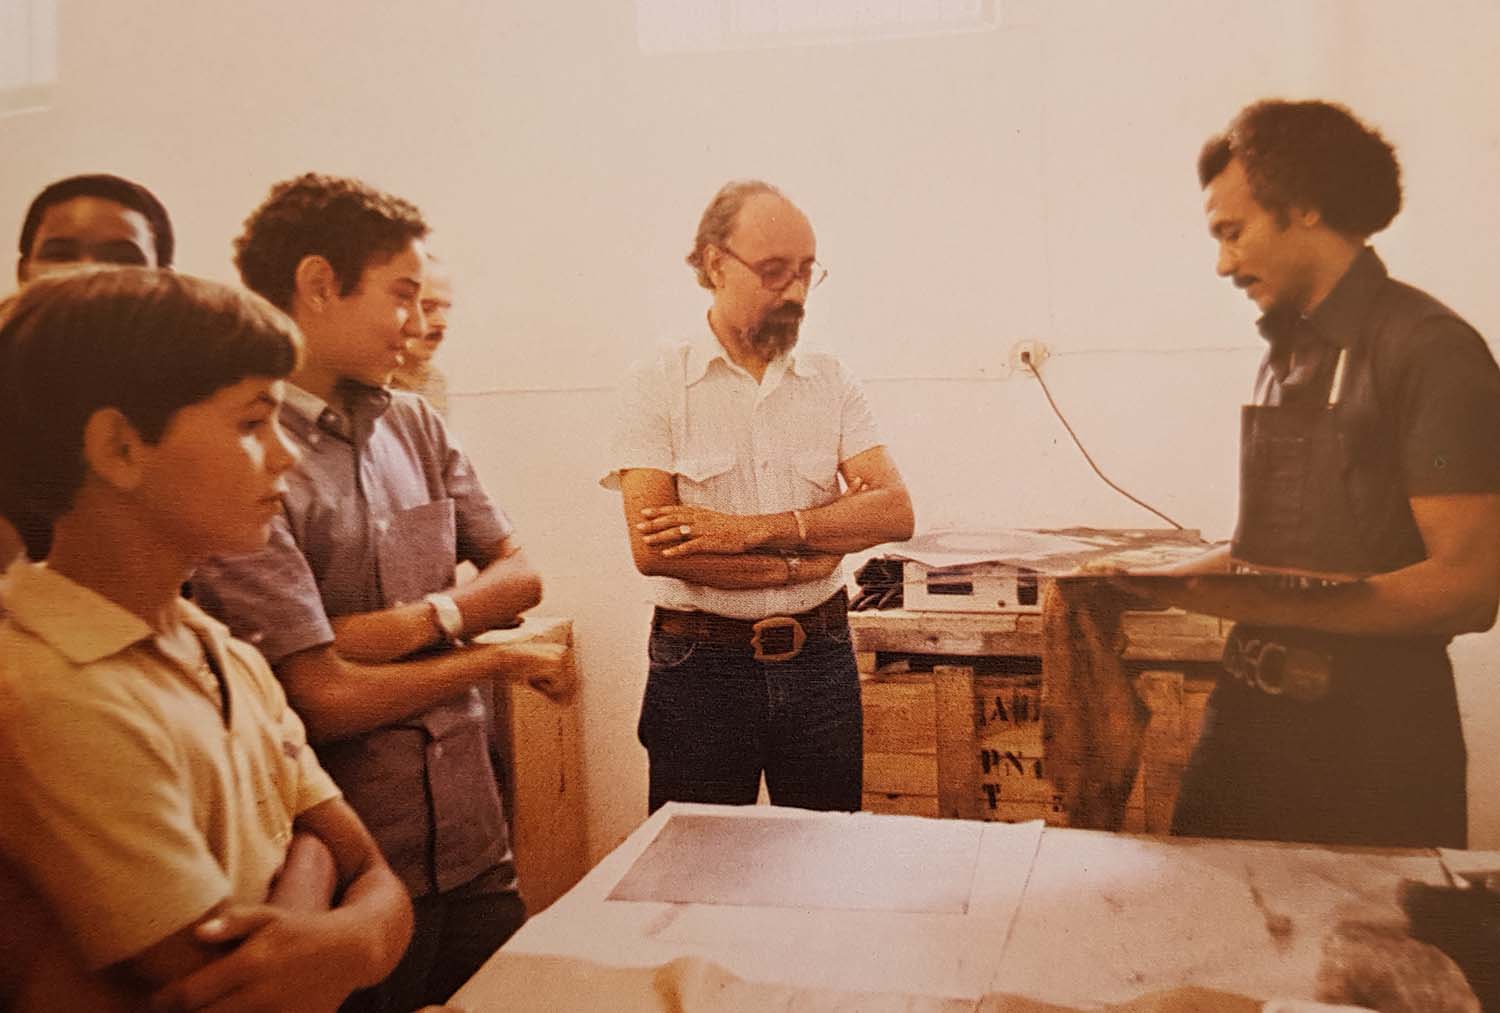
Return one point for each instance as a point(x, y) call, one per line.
point(446, 614)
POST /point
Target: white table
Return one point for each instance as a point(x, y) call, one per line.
point(1066, 916)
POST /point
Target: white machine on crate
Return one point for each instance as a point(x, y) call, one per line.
point(969, 587)
point(1002, 570)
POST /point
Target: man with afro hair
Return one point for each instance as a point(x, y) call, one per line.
point(1368, 451)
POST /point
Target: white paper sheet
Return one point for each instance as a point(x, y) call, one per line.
point(901, 865)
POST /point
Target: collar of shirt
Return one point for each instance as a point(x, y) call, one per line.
point(1302, 346)
point(707, 347)
point(1339, 318)
point(81, 624)
point(307, 409)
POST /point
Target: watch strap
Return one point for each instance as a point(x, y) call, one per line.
point(446, 613)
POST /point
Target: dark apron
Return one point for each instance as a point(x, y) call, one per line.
point(1322, 737)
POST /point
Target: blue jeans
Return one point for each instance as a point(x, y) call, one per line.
point(453, 934)
point(714, 719)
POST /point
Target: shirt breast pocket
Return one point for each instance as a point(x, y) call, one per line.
point(818, 472)
point(417, 551)
point(701, 479)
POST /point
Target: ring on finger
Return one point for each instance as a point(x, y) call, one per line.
point(685, 530)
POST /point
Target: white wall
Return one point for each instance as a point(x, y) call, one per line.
point(969, 191)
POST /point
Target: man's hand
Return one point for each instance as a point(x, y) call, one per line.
point(542, 666)
point(818, 566)
point(681, 530)
point(1145, 587)
point(280, 960)
point(496, 595)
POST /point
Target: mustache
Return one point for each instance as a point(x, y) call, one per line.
point(777, 330)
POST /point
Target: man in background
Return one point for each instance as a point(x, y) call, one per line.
point(94, 219)
point(419, 374)
point(728, 450)
point(90, 219)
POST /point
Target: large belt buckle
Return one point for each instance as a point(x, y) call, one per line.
point(1278, 669)
point(1306, 675)
point(799, 637)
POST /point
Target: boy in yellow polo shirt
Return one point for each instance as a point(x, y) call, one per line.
point(155, 778)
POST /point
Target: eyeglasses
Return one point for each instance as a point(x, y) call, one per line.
point(777, 275)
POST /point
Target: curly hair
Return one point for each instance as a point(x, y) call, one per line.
point(146, 341)
point(719, 218)
point(345, 221)
point(105, 187)
point(1313, 155)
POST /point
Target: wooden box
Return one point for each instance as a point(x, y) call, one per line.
point(543, 776)
point(953, 712)
point(900, 743)
point(1013, 782)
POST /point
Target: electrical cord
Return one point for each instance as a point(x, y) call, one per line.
point(1026, 361)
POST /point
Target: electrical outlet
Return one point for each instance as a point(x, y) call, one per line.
point(1028, 356)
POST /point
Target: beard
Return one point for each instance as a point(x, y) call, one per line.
point(776, 333)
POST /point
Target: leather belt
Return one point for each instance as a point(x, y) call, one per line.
point(773, 639)
point(1278, 668)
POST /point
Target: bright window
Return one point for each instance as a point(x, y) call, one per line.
point(28, 54)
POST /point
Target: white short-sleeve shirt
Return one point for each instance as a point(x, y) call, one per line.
point(742, 447)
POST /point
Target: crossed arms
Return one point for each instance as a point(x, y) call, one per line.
point(368, 678)
point(335, 919)
point(741, 551)
point(292, 951)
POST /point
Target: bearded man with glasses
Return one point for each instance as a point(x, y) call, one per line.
point(729, 451)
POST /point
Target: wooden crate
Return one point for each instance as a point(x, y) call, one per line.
point(951, 743)
point(920, 740)
point(1012, 784)
point(1177, 699)
point(1008, 713)
point(543, 776)
point(900, 715)
point(900, 741)
point(945, 732)
point(896, 804)
point(901, 773)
